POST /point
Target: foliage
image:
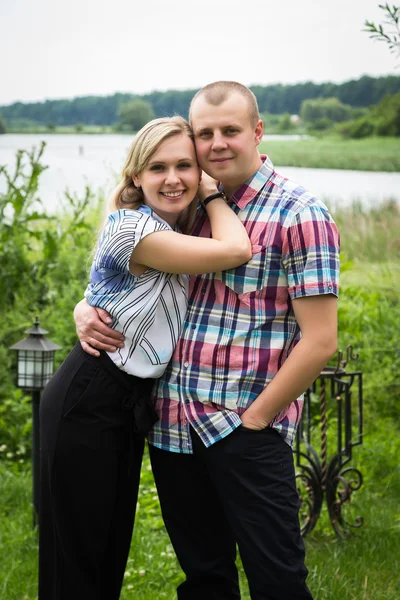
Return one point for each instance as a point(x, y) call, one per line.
point(3, 127)
point(273, 99)
point(381, 120)
point(52, 257)
point(321, 113)
point(391, 37)
point(285, 124)
point(20, 220)
point(43, 271)
point(135, 114)
point(365, 566)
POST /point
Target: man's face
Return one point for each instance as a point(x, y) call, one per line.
point(226, 140)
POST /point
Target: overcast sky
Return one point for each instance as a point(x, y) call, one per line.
point(68, 48)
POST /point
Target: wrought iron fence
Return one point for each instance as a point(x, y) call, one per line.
point(333, 408)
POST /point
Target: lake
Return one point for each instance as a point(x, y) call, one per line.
point(96, 160)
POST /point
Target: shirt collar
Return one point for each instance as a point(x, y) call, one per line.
point(250, 188)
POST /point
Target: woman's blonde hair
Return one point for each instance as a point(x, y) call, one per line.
point(144, 145)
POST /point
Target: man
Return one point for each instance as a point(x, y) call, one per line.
point(254, 339)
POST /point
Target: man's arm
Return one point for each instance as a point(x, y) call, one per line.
point(317, 319)
point(92, 327)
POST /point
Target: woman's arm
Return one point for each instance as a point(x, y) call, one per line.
point(177, 253)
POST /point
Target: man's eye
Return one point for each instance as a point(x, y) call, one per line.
point(232, 130)
point(205, 134)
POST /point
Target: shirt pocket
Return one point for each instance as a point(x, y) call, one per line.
point(247, 278)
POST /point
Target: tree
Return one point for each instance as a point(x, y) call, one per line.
point(322, 112)
point(285, 124)
point(391, 36)
point(3, 127)
point(135, 114)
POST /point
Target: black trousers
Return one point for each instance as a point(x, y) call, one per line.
point(90, 472)
point(240, 490)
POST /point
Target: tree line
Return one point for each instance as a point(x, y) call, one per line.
point(272, 99)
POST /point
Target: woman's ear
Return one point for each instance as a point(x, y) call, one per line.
point(136, 181)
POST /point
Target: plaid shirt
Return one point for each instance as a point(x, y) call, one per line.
point(240, 326)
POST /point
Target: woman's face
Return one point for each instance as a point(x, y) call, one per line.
point(171, 178)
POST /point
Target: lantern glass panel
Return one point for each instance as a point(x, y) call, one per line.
point(34, 368)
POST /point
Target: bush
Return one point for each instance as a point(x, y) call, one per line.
point(3, 127)
point(44, 266)
point(382, 120)
point(357, 129)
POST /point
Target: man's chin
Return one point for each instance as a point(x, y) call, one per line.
point(217, 171)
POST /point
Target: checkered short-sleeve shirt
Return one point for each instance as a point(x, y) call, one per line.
point(240, 326)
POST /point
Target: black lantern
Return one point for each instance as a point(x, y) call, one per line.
point(35, 359)
point(35, 366)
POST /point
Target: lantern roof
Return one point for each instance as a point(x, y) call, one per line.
point(36, 340)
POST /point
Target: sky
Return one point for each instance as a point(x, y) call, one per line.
point(67, 48)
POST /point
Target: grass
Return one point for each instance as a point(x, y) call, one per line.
point(370, 235)
point(363, 567)
point(369, 154)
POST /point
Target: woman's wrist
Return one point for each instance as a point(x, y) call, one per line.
point(212, 197)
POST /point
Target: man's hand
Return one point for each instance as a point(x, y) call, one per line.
point(317, 318)
point(92, 327)
point(253, 422)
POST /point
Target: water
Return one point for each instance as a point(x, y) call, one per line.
point(96, 160)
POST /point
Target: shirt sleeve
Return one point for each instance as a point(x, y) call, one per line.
point(310, 253)
point(122, 233)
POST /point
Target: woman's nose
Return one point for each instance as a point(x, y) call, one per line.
point(172, 177)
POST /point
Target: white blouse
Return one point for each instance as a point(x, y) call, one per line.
point(149, 310)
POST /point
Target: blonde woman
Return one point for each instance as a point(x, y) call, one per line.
point(95, 411)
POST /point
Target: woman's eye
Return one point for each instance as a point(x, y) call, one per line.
point(156, 168)
point(185, 166)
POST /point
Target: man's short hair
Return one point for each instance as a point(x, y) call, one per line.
point(217, 92)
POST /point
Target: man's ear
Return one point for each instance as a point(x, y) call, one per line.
point(259, 131)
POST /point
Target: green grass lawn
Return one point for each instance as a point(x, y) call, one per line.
point(366, 566)
point(369, 154)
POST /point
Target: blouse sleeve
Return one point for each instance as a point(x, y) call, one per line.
point(123, 231)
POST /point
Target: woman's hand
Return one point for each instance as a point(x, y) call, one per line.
point(207, 186)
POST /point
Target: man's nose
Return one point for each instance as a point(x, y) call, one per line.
point(219, 142)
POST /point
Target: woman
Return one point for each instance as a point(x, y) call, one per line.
point(95, 411)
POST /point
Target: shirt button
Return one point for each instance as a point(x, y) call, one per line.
point(203, 290)
point(193, 326)
point(186, 364)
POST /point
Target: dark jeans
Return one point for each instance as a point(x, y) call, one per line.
point(90, 472)
point(240, 490)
